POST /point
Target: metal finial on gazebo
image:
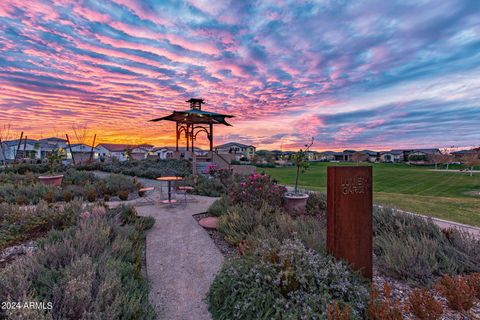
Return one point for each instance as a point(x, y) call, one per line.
point(195, 104)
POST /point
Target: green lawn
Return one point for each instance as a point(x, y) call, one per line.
point(418, 189)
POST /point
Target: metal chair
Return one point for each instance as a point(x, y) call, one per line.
point(183, 191)
point(147, 198)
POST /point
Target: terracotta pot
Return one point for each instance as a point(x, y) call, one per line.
point(51, 180)
point(295, 203)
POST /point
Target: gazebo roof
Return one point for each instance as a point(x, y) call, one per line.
point(196, 116)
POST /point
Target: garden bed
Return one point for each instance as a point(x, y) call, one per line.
point(25, 189)
point(90, 270)
point(149, 168)
point(282, 268)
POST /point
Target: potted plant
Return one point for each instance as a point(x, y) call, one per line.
point(53, 179)
point(296, 201)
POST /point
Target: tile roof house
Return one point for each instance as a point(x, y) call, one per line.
point(239, 149)
point(122, 152)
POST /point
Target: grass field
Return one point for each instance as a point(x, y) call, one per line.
point(422, 190)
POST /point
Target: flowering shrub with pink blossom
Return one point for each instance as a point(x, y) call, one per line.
point(256, 189)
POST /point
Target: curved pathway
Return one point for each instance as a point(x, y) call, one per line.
point(182, 260)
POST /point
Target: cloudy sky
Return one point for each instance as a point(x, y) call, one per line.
point(354, 74)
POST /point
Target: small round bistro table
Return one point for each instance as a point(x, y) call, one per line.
point(169, 179)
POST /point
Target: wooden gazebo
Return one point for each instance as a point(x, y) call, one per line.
point(192, 122)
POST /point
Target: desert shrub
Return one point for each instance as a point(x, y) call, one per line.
point(285, 282)
point(21, 200)
point(67, 196)
point(23, 168)
point(407, 257)
point(412, 248)
point(309, 230)
point(338, 312)
point(459, 294)
point(316, 203)
point(24, 193)
point(466, 243)
point(423, 305)
point(117, 182)
point(19, 224)
point(382, 305)
point(241, 220)
point(219, 207)
point(256, 189)
point(148, 168)
point(25, 189)
point(91, 194)
point(473, 281)
point(206, 186)
point(123, 195)
point(87, 271)
point(48, 197)
point(77, 177)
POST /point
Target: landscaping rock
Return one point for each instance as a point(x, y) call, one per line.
point(209, 222)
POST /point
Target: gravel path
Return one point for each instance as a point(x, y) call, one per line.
point(182, 261)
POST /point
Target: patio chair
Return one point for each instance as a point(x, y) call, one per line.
point(147, 198)
point(183, 190)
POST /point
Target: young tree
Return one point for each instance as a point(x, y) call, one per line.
point(447, 158)
point(359, 157)
point(471, 160)
point(6, 134)
point(80, 132)
point(301, 162)
point(437, 159)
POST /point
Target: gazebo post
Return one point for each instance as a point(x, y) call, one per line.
point(187, 136)
point(192, 137)
point(178, 136)
point(211, 137)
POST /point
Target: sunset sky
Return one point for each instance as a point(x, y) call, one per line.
point(353, 74)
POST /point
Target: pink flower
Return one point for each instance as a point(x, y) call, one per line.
point(85, 215)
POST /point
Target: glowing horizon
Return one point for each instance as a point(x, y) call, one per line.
point(354, 75)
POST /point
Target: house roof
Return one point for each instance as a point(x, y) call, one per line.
point(115, 147)
point(328, 153)
point(466, 151)
point(428, 151)
point(369, 152)
point(15, 142)
point(53, 139)
point(234, 144)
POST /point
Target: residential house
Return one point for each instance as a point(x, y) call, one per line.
point(29, 149)
point(82, 153)
point(423, 153)
point(161, 153)
point(372, 156)
point(327, 156)
point(240, 150)
point(392, 156)
point(313, 155)
point(345, 156)
point(59, 143)
point(400, 155)
point(458, 155)
point(121, 152)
